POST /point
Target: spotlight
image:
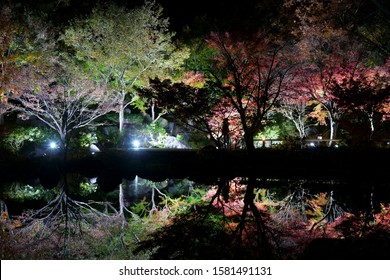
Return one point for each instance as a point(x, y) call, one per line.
point(136, 144)
point(53, 145)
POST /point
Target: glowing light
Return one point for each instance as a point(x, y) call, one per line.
point(136, 144)
point(53, 145)
point(94, 149)
point(93, 180)
point(312, 144)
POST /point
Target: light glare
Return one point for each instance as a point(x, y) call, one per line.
point(136, 144)
point(53, 145)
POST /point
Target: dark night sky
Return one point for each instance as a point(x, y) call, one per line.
point(180, 12)
point(227, 14)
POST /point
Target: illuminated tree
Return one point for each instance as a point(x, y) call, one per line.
point(191, 106)
point(64, 102)
point(6, 32)
point(295, 106)
point(250, 75)
point(120, 49)
point(333, 55)
point(367, 94)
point(22, 44)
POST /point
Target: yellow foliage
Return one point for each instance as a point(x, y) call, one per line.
point(4, 216)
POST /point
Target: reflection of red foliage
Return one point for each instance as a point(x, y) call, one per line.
point(291, 232)
point(383, 218)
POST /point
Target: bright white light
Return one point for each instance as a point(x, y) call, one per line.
point(336, 146)
point(53, 145)
point(93, 180)
point(136, 144)
point(312, 144)
point(94, 149)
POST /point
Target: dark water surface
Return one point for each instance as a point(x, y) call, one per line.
point(341, 200)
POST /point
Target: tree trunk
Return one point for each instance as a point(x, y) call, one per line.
point(152, 110)
point(333, 129)
point(249, 142)
point(121, 110)
point(372, 127)
point(121, 117)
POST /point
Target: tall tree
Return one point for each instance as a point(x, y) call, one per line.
point(251, 75)
point(336, 49)
point(23, 40)
point(121, 48)
point(64, 102)
point(366, 94)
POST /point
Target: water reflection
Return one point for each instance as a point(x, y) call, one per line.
point(241, 217)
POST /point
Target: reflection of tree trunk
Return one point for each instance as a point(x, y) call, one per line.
point(332, 212)
point(62, 216)
point(122, 214)
point(370, 211)
point(260, 226)
point(4, 212)
point(121, 200)
point(292, 207)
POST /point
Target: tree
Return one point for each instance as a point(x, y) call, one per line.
point(6, 32)
point(367, 93)
point(64, 221)
point(250, 75)
point(295, 107)
point(190, 105)
point(333, 55)
point(64, 102)
point(120, 49)
point(22, 44)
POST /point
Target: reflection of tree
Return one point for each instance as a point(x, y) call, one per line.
point(63, 218)
point(332, 211)
point(262, 240)
point(4, 212)
point(292, 208)
point(238, 204)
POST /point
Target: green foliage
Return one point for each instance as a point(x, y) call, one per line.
point(122, 49)
point(87, 188)
point(270, 132)
point(198, 140)
point(87, 138)
point(18, 136)
point(191, 235)
point(108, 136)
point(141, 208)
point(21, 192)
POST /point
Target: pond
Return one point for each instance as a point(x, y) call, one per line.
point(55, 213)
